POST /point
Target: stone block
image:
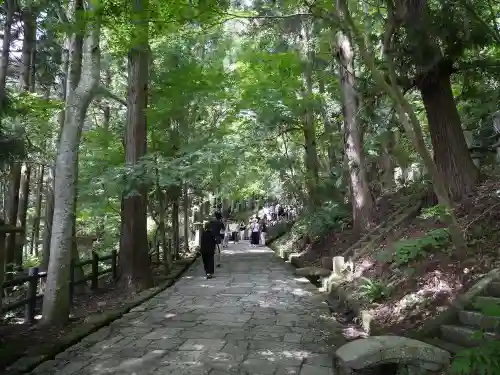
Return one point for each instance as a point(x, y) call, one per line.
point(379, 350)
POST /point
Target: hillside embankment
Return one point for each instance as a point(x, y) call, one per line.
point(406, 271)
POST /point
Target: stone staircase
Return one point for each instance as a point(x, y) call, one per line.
point(463, 329)
point(333, 270)
point(370, 240)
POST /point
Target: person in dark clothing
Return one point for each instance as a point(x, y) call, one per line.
point(243, 227)
point(218, 228)
point(263, 231)
point(207, 250)
point(255, 230)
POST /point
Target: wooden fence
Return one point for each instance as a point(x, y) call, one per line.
point(34, 277)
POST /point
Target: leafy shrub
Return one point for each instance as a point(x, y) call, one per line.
point(322, 220)
point(374, 290)
point(31, 261)
point(435, 212)
point(411, 249)
point(484, 359)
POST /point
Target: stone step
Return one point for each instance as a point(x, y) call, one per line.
point(478, 320)
point(465, 336)
point(448, 346)
point(493, 289)
point(486, 301)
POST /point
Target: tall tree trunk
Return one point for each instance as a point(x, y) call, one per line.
point(175, 222)
point(2, 261)
point(35, 233)
point(75, 255)
point(406, 116)
point(135, 271)
point(362, 202)
point(386, 162)
point(23, 212)
point(10, 8)
point(81, 89)
point(329, 129)
point(451, 153)
point(309, 128)
point(3, 200)
point(185, 206)
point(167, 256)
point(47, 220)
point(107, 109)
point(63, 86)
point(13, 204)
point(106, 114)
point(27, 84)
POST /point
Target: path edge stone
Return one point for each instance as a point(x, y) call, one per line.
point(28, 363)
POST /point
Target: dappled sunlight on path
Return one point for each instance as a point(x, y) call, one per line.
point(255, 317)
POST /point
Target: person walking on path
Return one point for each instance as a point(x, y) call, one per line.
point(243, 227)
point(254, 240)
point(227, 234)
point(234, 231)
point(218, 229)
point(207, 250)
point(263, 231)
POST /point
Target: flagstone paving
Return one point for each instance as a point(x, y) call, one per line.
point(255, 317)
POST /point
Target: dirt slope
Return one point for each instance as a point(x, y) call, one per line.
point(414, 270)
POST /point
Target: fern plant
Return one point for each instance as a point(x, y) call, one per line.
point(411, 249)
point(374, 290)
point(482, 360)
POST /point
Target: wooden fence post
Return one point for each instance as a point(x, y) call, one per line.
point(31, 295)
point(95, 271)
point(114, 263)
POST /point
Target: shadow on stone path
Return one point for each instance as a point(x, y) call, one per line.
point(255, 317)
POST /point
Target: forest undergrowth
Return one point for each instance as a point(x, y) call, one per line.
point(413, 272)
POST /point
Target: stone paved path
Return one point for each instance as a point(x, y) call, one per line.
point(255, 317)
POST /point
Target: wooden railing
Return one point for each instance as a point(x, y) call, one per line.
point(34, 277)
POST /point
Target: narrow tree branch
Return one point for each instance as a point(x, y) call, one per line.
point(104, 92)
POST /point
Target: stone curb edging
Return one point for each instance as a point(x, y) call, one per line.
point(284, 255)
point(29, 363)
